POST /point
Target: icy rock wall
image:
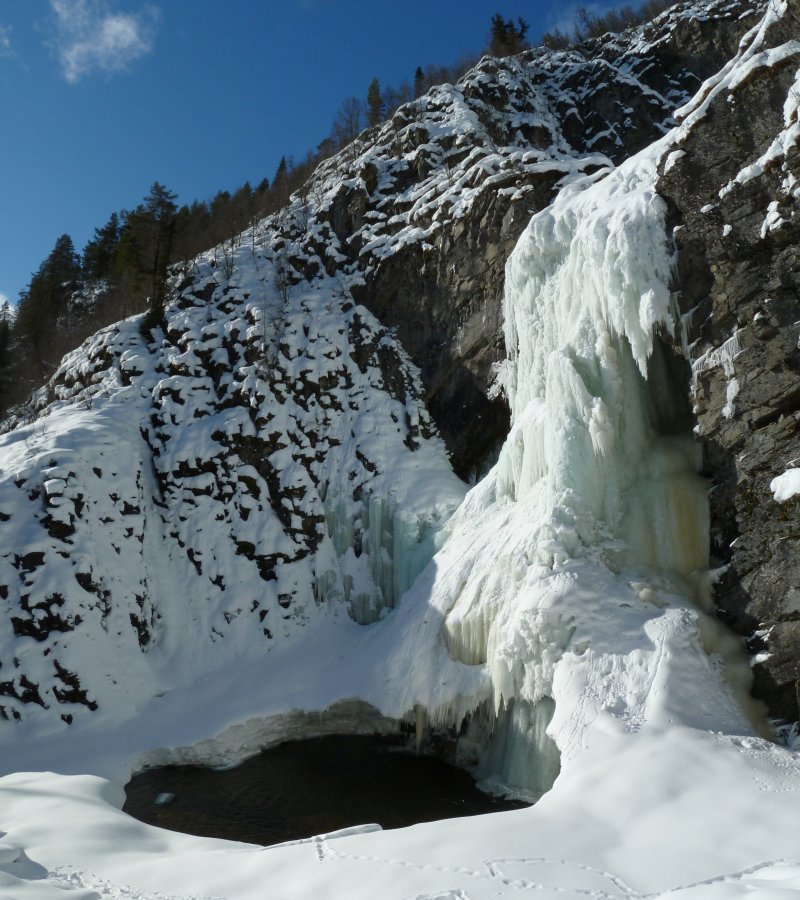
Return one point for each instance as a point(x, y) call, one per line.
point(733, 188)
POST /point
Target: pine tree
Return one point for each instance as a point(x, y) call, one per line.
point(146, 246)
point(50, 286)
point(36, 331)
point(419, 82)
point(506, 38)
point(280, 183)
point(5, 357)
point(281, 172)
point(374, 103)
point(160, 207)
point(99, 251)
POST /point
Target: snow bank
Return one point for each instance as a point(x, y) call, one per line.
point(786, 486)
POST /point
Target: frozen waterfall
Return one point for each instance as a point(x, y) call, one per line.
point(587, 544)
point(593, 438)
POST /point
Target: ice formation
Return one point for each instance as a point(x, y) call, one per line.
point(724, 356)
point(592, 528)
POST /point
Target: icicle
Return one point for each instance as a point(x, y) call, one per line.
point(724, 356)
point(419, 720)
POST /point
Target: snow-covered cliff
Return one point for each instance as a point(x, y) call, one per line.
point(207, 517)
point(183, 503)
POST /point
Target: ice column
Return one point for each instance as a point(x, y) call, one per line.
point(594, 479)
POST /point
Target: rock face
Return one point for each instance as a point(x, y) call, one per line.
point(419, 215)
point(735, 195)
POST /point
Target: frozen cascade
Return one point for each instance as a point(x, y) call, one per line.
point(593, 524)
point(520, 750)
point(374, 554)
point(586, 288)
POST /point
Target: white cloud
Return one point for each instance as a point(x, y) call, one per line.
point(5, 41)
point(92, 37)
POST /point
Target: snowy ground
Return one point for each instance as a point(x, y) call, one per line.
point(567, 597)
point(643, 809)
point(661, 812)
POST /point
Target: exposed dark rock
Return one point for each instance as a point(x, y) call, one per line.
point(22, 689)
point(72, 692)
point(43, 618)
point(739, 278)
point(29, 562)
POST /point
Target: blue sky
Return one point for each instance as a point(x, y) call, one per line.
point(99, 98)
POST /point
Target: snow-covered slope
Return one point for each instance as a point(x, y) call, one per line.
point(183, 504)
point(563, 609)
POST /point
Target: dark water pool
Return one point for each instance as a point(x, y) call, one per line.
point(302, 788)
